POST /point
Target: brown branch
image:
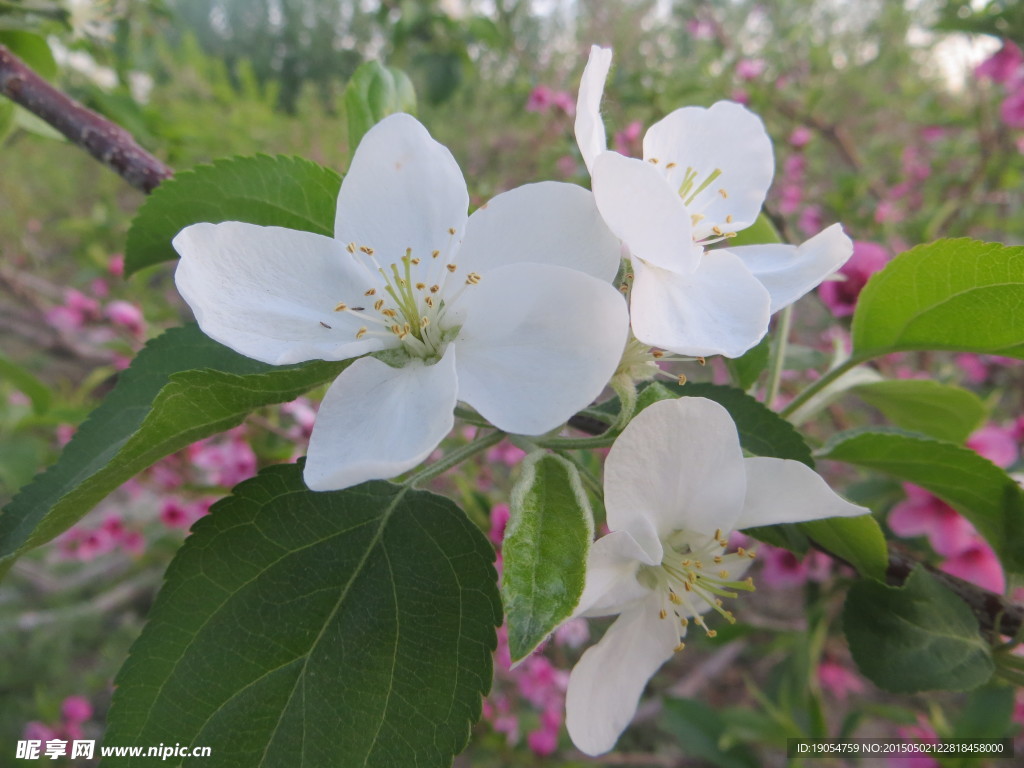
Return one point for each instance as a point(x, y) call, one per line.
point(109, 143)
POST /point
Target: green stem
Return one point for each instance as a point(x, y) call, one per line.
point(586, 475)
point(471, 417)
point(457, 456)
point(820, 384)
point(778, 359)
point(577, 443)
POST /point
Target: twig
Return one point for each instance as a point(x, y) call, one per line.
point(107, 142)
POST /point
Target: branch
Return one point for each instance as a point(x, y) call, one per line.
point(109, 143)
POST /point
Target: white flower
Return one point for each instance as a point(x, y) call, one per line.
point(494, 309)
point(704, 177)
point(676, 484)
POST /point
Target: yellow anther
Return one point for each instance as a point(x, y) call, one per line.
point(687, 586)
point(718, 534)
point(723, 573)
point(728, 219)
point(378, 304)
point(340, 306)
point(389, 313)
point(351, 247)
point(370, 292)
point(429, 302)
point(670, 165)
point(674, 598)
point(472, 278)
point(679, 647)
point(450, 267)
point(684, 621)
point(361, 332)
point(662, 613)
point(712, 633)
point(723, 193)
point(420, 286)
point(657, 354)
point(416, 261)
point(451, 230)
point(702, 361)
point(435, 254)
point(681, 380)
point(653, 160)
point(696, 218)
point(424, 322)
point(366, 249)
point(718, 559)
point(396, 329)
point(717, 230)
point(623, 288)
point(741, 551)
point(751, 554)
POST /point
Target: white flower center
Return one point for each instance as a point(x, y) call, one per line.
point(692, 191)
point(694, 576)
point(409, 308)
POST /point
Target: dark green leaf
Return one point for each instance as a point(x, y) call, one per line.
point(961, 295)
point(980, 490)
point(181, 388)
point(303, 629)
point(544, 553)
point(918, 637)
point(702, 734)
point(747, 369)
point(271, 191)
point(921, 405)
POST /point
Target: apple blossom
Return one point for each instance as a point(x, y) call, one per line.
point(676, 483)
point(510, 310)
point(704, 177)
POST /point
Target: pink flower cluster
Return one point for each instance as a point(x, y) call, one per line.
point(74, 712)
point(85, 543)
point(1006, 68)
point(543, 99)
point(791, 190)
point(841, 295)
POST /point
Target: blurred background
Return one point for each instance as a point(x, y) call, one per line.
point(903, 120)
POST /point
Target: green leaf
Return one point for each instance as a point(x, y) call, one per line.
point(760, 232)
point(296, 628)
point(32, 49)
point(919, 637)
point(7, 112)
point(27, 383)
point(373, 93)
point(762, 431)
point(704, 735)
point(271, 191)
point(921, 405)
point(544, 553)
point(961, 295)
point(976, 487)
point(857, 540)
point(747, 369)
point(181, 387)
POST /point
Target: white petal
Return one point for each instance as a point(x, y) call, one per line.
point(269, 293)
point(606, 683)
point(538, 344)
point(546, 223)
point(644, 212)
point(376, 421)
point(590, 134)
point(726, 137)
point(720, 309)
point(611, 584)
point(790, 271)
point(785, 491)
point(402, 190)
point(677, 466)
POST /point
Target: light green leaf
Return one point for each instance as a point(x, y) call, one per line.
point(857, 540)
point(295, 628)
point(24, 380)
point(271, 191)
point(544, 553)
point(373, 93)
point(920, 405)
point(918, 637)
point(32, 49)
point(761, 232)
point(976, 487)
point(181, 388)
point(961, 295)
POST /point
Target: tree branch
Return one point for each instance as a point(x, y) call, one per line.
point(109, 143)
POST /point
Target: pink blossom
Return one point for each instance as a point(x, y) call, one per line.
point(995, 443)
point(88, 308)
point(303, 412)
point(841, 296)
point(888, 211)
point(99, 288)
point(838, 680)
point(505, 453)
point(973, 367)
point(95, 543)
point(114, 526)
point(811, 219)
point(175, 514)
point(781, 568)
point(499, 519)
point(509, 725)
point(800, 137)
point(933, 133)
point(700, 29)
point(1012, 108)
point(573, 633)
point(627, 141)
point(540, 682)
point(923, 514)
point(1001, 66)
point(750, 69)
point(226, 461)
point(740, 96)
point(133, 543)
point(63, 319)
point(977, 564)
point(923, 733)
point(564, 101)
point(76, 709)
point(127, 316)
point(36, 731)
point(567, 166)
point(116, 265)
point(539, 100)
point(542, 742)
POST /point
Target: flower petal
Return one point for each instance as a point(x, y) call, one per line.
point(785, 491)
point(677, 466)
point(538, 343)
point(590, 133)
point(611, 584)
point(719, 309)
point(790, 271)
point(269, 293)
point(377, 421)
point(644, 212)
point(727, 137)
point(546, 223)
point(402, 190)
point(606, 683)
